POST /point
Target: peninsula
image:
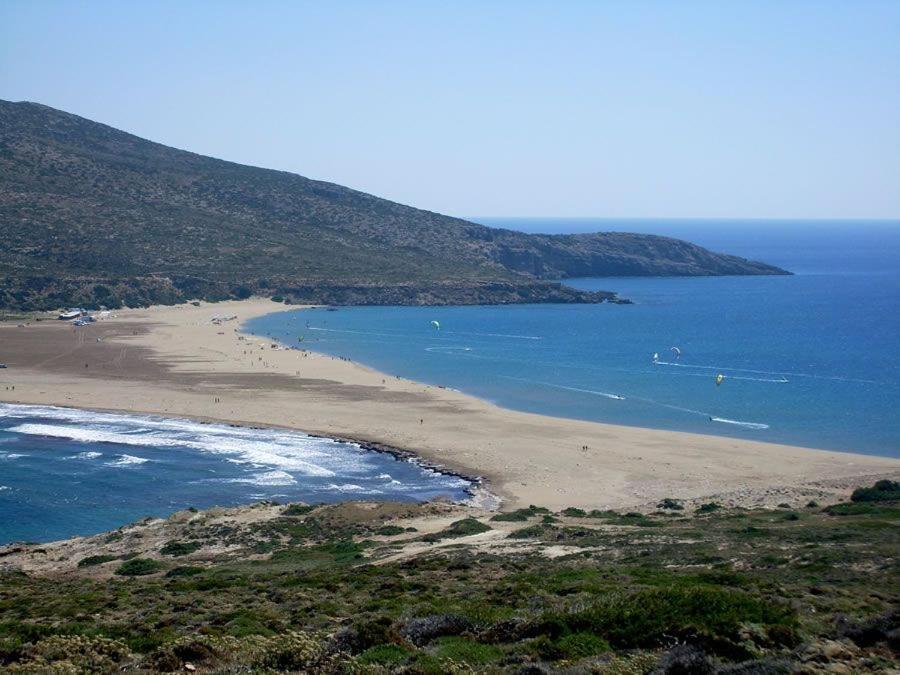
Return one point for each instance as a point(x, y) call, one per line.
point(90, 215)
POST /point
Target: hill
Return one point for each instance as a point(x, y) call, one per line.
point(93, 215)
point(357, 587)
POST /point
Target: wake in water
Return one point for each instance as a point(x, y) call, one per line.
point(780, 380)
point(501, 335)
point(781, 374)
point(593, 392)
point(746, 425)
point(642, 399)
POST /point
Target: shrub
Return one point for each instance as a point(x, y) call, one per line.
point(92, 560)
point(137, 567)
point(709, 507)
point(179, 548)
point(573, 512)
point(465, 650)
point(670, 505)
point(384, 655)
point(581, 645)
point(461, 528)
point(184, 571)
point(882, 491)
point(533, 532)
point(854, 509)
point(424, 629)
point(277, 298)
point(390, 530)
point(519, 515)
point(297, 510)
point(645, 618)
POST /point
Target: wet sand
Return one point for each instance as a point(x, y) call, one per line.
point(175, 361)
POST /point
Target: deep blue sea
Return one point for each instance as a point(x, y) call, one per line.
point(65, 472)
point(811, 359)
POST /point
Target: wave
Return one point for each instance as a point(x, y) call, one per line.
point(11, 455)
point(268, 450)
point(278, 451)
point(268, 478)
point(128, 460)
point(352, 488)
point(86, 455)
point(747, 425)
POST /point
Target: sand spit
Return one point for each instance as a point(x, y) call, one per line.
point(180, 361)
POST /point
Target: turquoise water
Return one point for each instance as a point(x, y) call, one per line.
point(810, 359)
point(67, 472)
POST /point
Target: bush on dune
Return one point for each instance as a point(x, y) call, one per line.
point(882, 491)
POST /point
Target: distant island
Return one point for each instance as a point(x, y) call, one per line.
point(91, 215)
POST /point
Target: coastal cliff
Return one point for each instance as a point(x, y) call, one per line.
point(92, 215)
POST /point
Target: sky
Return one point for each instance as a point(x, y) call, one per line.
point(618, 109)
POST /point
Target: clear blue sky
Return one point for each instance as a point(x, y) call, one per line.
point(618, 109)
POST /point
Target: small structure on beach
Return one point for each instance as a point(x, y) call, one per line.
point(72, 313)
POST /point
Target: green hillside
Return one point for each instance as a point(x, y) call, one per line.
point(93, 215)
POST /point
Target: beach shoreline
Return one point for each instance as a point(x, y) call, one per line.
point(176, 361)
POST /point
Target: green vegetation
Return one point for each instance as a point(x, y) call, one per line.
point(390, 530)
point(670, 505)
point(729, 590)
point(461, 528)
point(179, 548)
point(92, 560)
point(882, 491)
point(297, 510)
point(93, 216)
point(520, 515)
point(709, 507)
point(137, 567)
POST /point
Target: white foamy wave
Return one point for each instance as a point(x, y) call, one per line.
point(5, 487)
point(86, 455)
point(384, 476)
point(266, 449)
point(128, 460)
point(267, 478)
point(351, 488)
point(11, 455)
point(747, 425)
point(274, 452)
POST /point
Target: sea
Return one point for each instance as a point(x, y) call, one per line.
point(811, 359)
point(66, 472)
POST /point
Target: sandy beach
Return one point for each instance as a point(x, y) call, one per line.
point(176, 361)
